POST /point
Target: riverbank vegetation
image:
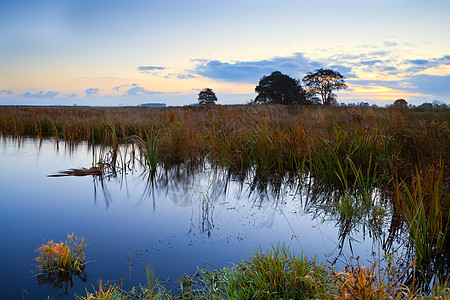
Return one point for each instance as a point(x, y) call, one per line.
point(357, 160)
point(278, 274)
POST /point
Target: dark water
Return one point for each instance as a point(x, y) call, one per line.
point(181, 221)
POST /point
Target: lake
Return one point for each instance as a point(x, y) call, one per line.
point(178, 221)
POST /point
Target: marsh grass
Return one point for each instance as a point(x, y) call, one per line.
point(279, 274)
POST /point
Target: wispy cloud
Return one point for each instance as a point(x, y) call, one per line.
point(41, 94)
point(390, 44)
point(92, 91)
point(370, 62)
point(150, 69)
point(185, 76)
point(6, 92)
point(119, 87)
point(138, 90)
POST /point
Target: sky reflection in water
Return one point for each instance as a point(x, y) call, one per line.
point(180, 221)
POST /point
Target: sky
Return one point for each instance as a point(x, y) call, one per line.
point(129, 52)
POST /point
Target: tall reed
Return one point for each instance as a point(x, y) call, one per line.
point(424, 205)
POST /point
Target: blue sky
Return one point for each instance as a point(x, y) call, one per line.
point(126, 52)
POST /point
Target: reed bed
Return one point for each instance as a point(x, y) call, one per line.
point(270, 138)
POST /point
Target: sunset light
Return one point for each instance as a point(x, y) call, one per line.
point(105, 53)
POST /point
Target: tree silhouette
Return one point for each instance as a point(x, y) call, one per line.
point(324, 82)
point(206, 96)
point(279, 88)
point(401, 103)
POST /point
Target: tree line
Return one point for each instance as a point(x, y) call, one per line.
point(279, 88)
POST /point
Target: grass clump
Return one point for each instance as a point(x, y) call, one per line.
point(275, 275)
point(65, 256)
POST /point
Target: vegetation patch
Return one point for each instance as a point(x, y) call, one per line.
point(67, 256)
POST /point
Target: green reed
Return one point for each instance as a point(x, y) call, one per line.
point(424, 205)
point(148, 150)
point(347, 155)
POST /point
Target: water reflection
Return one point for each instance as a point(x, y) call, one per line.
point(60, 281)
point(202, 187)
point(188, 213)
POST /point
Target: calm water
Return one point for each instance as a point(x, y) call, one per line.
point(181, 221)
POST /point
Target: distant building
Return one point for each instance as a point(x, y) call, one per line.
point(153, 104)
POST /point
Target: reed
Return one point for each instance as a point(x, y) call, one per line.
point(148, 149)
point(424, 206)
point(336, 159)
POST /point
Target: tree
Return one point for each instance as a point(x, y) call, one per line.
point(206, 96)
point(401, 103)
point(279, 88)
point(324, 82)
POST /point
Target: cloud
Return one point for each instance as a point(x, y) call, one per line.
point(137, 90)
point(150, 69)
point(6, 92)
point(419, 62)
point(117, 88)
point(252, 71)
point(347, 72)
point(430, 84)
point(370, 62)
point(49, 94)
point(91, 91)
point(73, 95)
point(388, 68)
point(424, 64)
point(390, 44)
point(185, 76)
